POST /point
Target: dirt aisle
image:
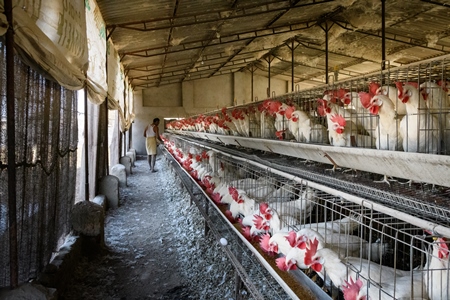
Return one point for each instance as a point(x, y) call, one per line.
point(142, 259)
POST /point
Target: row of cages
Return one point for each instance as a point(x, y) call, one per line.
point(259, 284)
point(401, 109)
point(351, 250)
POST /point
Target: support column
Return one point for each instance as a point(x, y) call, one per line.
point(252, 71)
point(292, 66)
point(106, 147)
point(11, 134)
point(86, 146)
point(326, 27)
point(292, 48)
point(269, 60)
point(383, 34)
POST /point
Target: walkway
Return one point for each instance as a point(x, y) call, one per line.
point(155, 247)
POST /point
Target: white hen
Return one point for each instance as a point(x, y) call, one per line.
point(419, 128)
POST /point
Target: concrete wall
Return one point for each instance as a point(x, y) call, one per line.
point(243, 87)
point(189, 98)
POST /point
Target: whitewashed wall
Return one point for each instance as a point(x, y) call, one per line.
point(195, 97)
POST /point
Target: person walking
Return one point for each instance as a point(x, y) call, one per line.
point(151, 133)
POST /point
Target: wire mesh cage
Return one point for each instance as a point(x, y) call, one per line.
point(400, 109)
point(345, 246)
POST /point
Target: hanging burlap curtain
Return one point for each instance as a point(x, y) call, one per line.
point(50, 36)
point(46, 143)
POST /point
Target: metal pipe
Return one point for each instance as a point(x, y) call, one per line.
point(255, 252)
point(124, 150)
point(106, 106)
point(292, 66)
point(436, 3)
point(424, 224)
point(268, 89)
point(326, 54)
point(253, 71)
point(383, 34)
point(86, 147)
point(416, 166)
point(106, 147)
point(439, 229)
point(11, 134)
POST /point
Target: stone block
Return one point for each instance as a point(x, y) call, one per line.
point(88, 218)
point(29, 291)
point(109, 186)
point(121, 174)
point(100, 200)
point(132, 152)
point(126, 161)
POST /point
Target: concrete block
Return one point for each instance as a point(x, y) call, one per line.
point(100, 200)
point(29, 291)
point(126, 161)
point(133, 154)
point(109, 186)
point(88, 218)
point(120, 172)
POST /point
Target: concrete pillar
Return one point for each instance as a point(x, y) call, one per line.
point(101, 200)
point(126, 161)
point(133, 154)
point(109, 186)
point(29, 291)
point(88, 219)
point(121, 174)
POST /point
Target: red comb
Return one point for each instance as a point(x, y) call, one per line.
point(338, 119)
point(216, 197)
point(263, 207)
point(292, 238)
point(289, 112)
point(260, 223)
point(365, 98)
point(281, 263)
point(373, 87)
point(443, 85)
point(443, 248)
point(274, 106)
point(246, 233)
point(264, 242)
point(399, 86)
point(233, 192)
point(341, 93)
point(351, 289)
point(311, 249)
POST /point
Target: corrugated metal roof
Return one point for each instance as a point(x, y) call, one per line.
point(163, 42)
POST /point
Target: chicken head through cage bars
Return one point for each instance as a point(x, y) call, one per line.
point(351, 247)
point(405, 108)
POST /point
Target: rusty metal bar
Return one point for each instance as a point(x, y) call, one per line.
point(10, 122)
